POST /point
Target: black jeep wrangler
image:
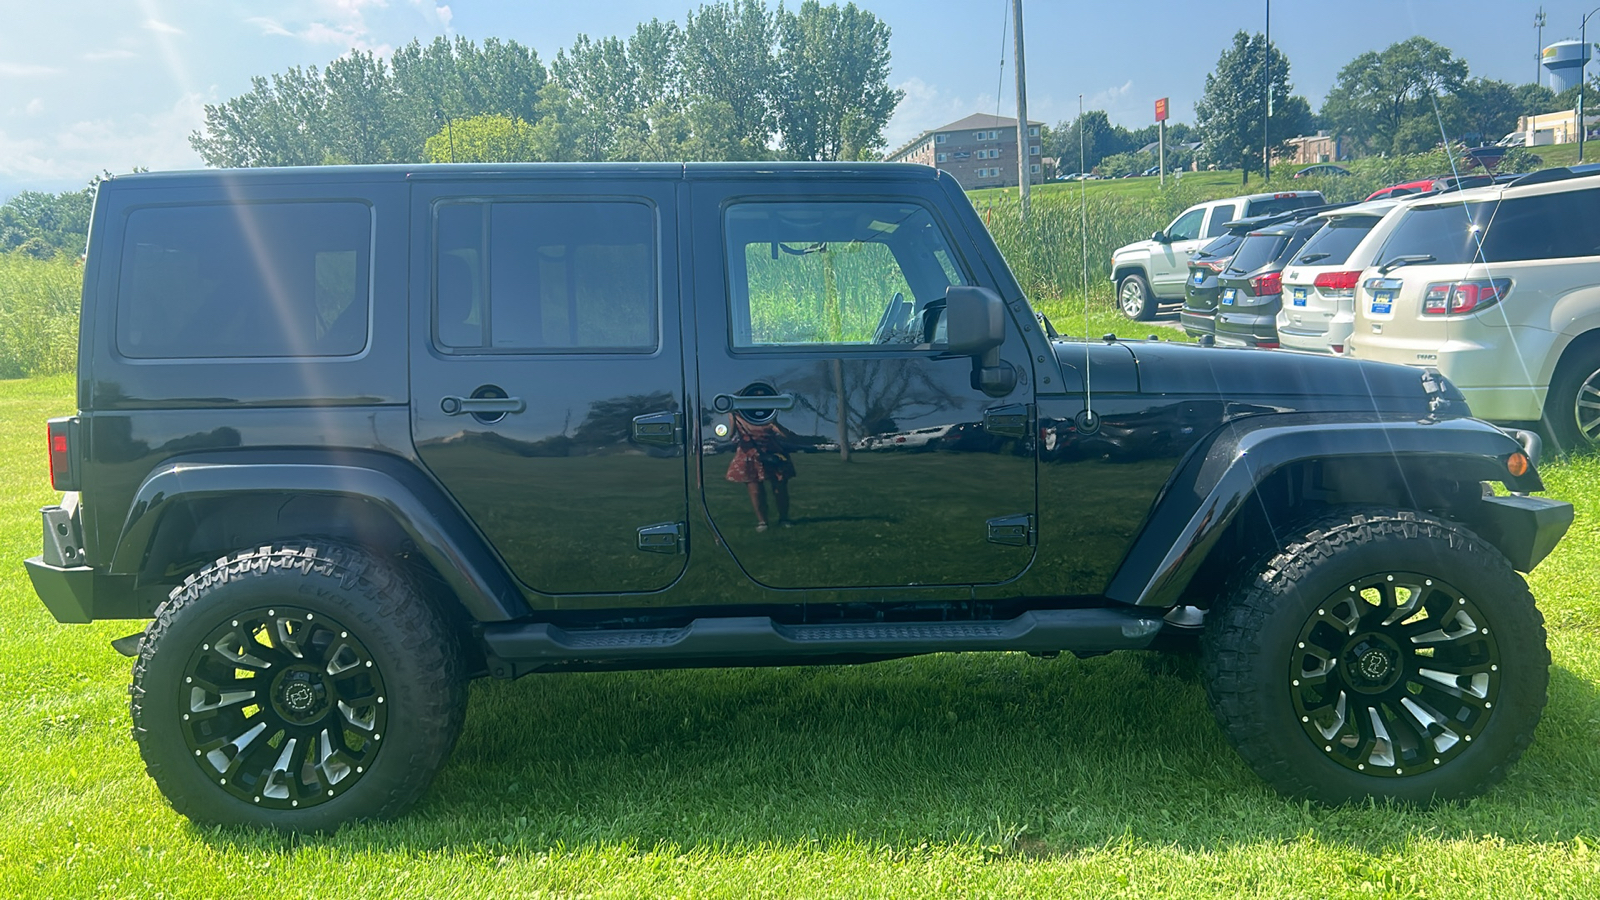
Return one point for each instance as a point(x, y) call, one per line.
point(350, 437)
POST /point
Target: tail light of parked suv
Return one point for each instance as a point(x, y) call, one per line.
point(1450, 298)
point(1267, 285)
point(1340, 285)
point(60, 433)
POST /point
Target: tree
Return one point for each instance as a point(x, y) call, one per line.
point(832, 98)
point(1376, 93)
point(1230, 116)
point(728, 57)
point(1481, 109)
point(1099, 140)
point(487, 139)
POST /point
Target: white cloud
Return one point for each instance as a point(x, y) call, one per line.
point(26, 70)
point(445, 15)
point(160, 27)
point(78, 151)
point(925, 106)
point(102, 55)
point(268, 26)
point(1110, 97)
point(34, 107)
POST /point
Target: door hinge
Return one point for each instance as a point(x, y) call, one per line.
point(1013, 531)
point(1009, 421)
point(664, 538)
point(663, 429)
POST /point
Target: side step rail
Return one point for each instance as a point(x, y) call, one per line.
point(758, 637)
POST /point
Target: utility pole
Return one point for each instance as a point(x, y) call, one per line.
point(1266, 76)
point(1024, 158)
point(1538, 51)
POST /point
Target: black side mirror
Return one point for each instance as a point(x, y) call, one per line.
point(975, 326)
point(1160, 237)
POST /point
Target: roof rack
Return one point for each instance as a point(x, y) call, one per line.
point(1559, 173)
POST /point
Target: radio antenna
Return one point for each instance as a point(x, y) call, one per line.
point(1088, 423)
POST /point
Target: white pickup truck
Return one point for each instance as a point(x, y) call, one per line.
point(1148, 273)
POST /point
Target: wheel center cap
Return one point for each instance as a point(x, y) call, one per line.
point(301, 696)
point(1373, 665)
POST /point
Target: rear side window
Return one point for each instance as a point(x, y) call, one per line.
point(1334, 243)
point(1220, 217)
point(248, 280)
point(1272, 205)
point(1256, 251)
point(545, 276)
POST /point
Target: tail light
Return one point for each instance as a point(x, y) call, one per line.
point(1338, 284)
point(1450, 298)
point(60, 434)
point(1266, 285)
point(1267, 345)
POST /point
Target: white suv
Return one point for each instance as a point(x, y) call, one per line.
point(1499, 288)
point(1319, 284)
point(1146, 273)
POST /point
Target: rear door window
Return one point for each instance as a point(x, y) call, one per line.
point(1220, 217)
point(245, 280)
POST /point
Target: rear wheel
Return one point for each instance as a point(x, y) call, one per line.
point(1135, 299)
point(1572, 408)
point(296, 688)
point(1385, 654)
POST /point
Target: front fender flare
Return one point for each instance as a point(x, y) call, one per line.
point(1218, 477)
point(440, 533)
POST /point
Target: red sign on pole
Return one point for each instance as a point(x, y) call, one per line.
point(1161, 110)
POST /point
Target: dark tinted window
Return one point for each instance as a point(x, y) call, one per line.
point(1222, 246)
point(1220, 217)
point(1256, 251)
point(1271, 205)
point(1333, 244)
point(545, 276)
point(246, 280)
point(1548, 226)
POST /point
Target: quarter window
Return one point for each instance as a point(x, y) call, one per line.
point(245, 280)
point(835, 273)
point(545, 276)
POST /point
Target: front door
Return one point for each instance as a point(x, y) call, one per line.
point(1169, 261)
point(547, 380)
point(839, 447)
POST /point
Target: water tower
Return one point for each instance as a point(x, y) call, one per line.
point(1565, 60)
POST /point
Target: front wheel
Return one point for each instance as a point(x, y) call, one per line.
point(1384, 654)
point(1135, 299)
point(296, 688)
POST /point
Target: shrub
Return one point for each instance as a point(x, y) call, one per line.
point(39, 301)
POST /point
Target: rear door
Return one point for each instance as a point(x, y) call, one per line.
point(547, 375)
point(830, 416)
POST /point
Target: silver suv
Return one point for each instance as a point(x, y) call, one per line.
point(1148, 273)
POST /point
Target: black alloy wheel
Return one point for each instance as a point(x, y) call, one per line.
point(285, 708)
point(1383, 653)
point(297, 687)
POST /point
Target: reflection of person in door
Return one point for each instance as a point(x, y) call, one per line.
point(761, 458)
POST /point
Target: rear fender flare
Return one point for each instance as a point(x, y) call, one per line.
point(1218, 478)
point(392, 488)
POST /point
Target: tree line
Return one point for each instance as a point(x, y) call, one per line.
point(1389, 102)
point(736, 80)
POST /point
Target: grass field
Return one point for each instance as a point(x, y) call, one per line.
point(947, 776)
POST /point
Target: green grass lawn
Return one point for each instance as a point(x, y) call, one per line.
point(971, 775)
point(1567, 154)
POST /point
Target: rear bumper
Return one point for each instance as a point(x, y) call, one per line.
point(1247, 329)
point(67, 591)
point(1196, 323)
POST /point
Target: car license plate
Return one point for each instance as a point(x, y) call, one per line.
point(1227, 296)
point(1382, 302)
point(1299, 296)
point(1199, 278)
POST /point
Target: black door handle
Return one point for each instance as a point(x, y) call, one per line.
point(478, 406)
point(729, 402)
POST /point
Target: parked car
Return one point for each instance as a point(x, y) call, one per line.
point(1322, 170)
point(1420, 186)
point(1251, 286)
point(1148, 273)
point(1199, 314)
point(1319, 283)
point(347, 437)
point(1498, 288)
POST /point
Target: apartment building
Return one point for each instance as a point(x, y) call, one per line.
point(980, 151)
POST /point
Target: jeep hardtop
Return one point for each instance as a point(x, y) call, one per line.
point(349, 437)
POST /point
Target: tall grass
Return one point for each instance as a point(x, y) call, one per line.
point(38, 314)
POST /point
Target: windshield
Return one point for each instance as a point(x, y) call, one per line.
point(1256, 251)
point(1332, 245)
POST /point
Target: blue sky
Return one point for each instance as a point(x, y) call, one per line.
point(87, 85)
